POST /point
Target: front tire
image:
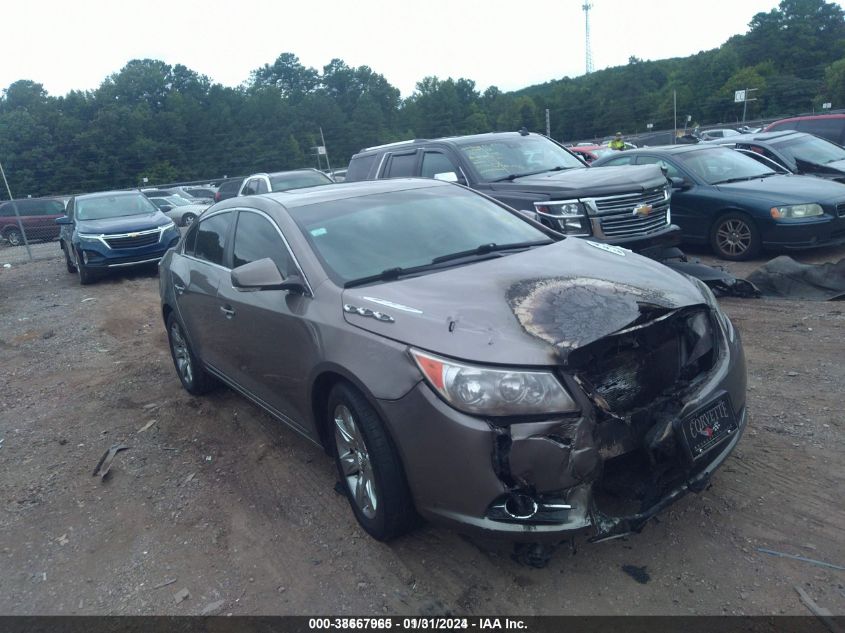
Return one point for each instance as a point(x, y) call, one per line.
point(86, 275)
point(735, 237)
point(369, 466)
point(14, 237)
point(192, 375)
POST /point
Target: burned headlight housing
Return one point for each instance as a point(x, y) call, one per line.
point(570, 216)
point(489, 391)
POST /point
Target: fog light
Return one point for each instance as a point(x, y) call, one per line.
point(521, 506)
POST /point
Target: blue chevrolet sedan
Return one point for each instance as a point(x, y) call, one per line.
point(113, 229)
point(740, 206)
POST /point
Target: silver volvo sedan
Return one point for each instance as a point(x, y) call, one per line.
point(459, 361)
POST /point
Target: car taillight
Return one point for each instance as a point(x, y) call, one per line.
point(217, 196)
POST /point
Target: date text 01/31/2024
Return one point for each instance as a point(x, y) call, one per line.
point(415, 623)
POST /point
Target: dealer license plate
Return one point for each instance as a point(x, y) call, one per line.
point(708, 426)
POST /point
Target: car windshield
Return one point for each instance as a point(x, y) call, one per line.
point(113, 206)
point(175, 201)
point(511, 157)
point(721, 165)
point(298, 180)
point(811, 149)
point(359, 237)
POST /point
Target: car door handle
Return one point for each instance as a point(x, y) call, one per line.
point(179, 288)
point(229, 312)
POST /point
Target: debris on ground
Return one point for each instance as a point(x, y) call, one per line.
point(104, 465)
point(640, 574)
point(812, 561)
point(165, 583)
point(785, 278)
point(820, 612)
point(212, 607)
point(146, 426)
point(181, 595)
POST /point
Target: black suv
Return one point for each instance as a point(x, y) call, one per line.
point(628, 206)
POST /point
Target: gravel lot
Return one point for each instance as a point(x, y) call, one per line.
point(216, 500)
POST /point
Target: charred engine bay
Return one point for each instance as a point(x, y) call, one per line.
point(635, 356)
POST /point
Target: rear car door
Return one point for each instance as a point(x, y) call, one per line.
point(196, 277)
point(268, 344)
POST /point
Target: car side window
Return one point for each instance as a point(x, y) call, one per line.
point(250, 187)
point(261, 186)
point(671, 170)
point(191, 239)
point(69, 211)
point(256, 237)
point(622, 160)
point(434, 163)
point(210, 244)
point(401, 165)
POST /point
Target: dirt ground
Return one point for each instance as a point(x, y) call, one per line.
point(217, 500)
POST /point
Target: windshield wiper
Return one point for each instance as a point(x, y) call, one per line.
point(513, 177)
point(483, 249)
point(391, 274)
point(729, 180)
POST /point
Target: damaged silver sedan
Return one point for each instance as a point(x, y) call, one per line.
point(459, 361)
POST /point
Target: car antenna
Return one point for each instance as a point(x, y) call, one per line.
point(524, 131)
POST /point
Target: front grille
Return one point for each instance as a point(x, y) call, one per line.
point(840, 209)
point(617, 218)
point(134, 241)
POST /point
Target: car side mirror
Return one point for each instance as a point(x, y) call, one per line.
point(447, 176)
point(64, 220)
point(679, 183)
point(263, 274)
point(166, 208)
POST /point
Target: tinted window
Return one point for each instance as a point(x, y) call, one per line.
point(256, 238)
point(721, 164)
point(621, 160)
point(191, 239)
point(230, 186)
point(211, 238)
point(671, 170)
point(434, 163)
point(809, 148)
point(366, 235)
point(401, 165)
point(261, 186)
point(298, 180)
point(250, 187)
point(359, 168)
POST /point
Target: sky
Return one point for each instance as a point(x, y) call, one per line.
point(510, 44)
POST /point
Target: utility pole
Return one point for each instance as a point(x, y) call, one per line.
point(548, 124)
point(675, 109)
point(742, 95)
point(589, 56)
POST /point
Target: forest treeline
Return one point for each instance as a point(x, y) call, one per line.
point(170, 123)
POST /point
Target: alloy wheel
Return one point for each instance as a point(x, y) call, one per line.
point(355, 461)
point(14, 236)
point(733, 237)
point(181, 354)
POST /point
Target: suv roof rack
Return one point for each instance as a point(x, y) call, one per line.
point(414, 140)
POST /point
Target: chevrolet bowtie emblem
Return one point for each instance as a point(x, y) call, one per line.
point(642, 210)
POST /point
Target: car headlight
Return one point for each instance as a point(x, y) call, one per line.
point(88, 236)
point(167, 227)
point(569, 215)
point(494, 392)
point(710, 300)
point(797, 211)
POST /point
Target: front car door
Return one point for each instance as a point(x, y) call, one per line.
point(196, 276)
point(268, 345)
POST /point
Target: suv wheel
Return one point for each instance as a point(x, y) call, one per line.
point(86, 275)
point(193, 377)
point(735, 237)
point(369, 466)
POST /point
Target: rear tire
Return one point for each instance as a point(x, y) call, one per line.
point(368, 465)
point(194, 378)
point(734, 236)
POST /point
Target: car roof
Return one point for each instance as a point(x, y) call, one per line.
point(807, 117)
point(454, 140)
point(109, 194)
point(671, 149)
point(342, 191)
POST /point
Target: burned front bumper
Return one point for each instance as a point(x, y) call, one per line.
point(539, 480)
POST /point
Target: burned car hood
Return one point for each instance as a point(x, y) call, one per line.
point(529, 308)
point(588, 182)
